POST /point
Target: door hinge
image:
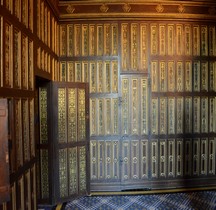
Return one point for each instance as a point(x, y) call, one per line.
point(149, 82)
point(120, 100)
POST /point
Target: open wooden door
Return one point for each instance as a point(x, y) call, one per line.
point(4, 158)
point(66, 150)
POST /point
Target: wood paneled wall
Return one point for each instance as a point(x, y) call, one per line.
point(151, 69)
point(28, 40)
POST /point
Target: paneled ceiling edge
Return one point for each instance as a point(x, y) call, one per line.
point(194, 10)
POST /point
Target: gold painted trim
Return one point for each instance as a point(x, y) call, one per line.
point(152, 191)
point(146, 16)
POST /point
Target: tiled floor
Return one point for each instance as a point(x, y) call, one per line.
point(200, 200)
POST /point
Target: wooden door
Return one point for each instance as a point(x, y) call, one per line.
point(64, 145)
point(134, 132)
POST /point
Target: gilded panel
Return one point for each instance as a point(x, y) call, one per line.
point(25, 12)
point(30, 66)
point(211, 156)
point(44, 173)
point(196, 76)
point(163, 158)
point(48, 29)
point(73, 175)
point(154, 76)
point(82, 169)
point(163, 76)
point(63, 71)
point(20, 187)
point(144, 158)
point(93, 160)
point(196, 40)
point(100, 40)
point(180, 77)
point(124, 46)
point(31, 127)
point(92, 40)
point(163, 115)
point(135, 107)
point(126, 160)
point(212, 41)
point(39, 58)
point(154, 116)
point(154, 39)
point(18, 133)
point(179, 39)
point(179, 157)
point(25, 125)
point(63, 172)
point(27, 189)
point(188, 115)
point(77, 40)
point(196, 157)
point(42, 20)
point(93, 117)
point(204, 41)
point(72, 115)
point(85, 72)
point(154, 158)
point(144, 107)
point(134, 46)
point(85, 40)
point(18, 14)
point(17, 9)
point(114, 75)
point(204, 115)
point(162, 38)
point(45, 26)
point(62, 113)
point(114, 116)
point(116, 159)
point(188, 40)
point(188, 76)
point(171, 115)
point(17, 58)
point(100, 111)
point(188, 161)
point(107, 40)
point(203, 156)
point(212, 76)
point(78, 72)
point(135, 159)
point(108, 160)
point(101, 161)
point(93, 77)
point(43, 115)
point(100, 77)
point(212, 115)
point(171, 76)
point(63, 40)
point(125, 106)
point(81, 115)
point(170, 43)
point(196, 114)
point(107, 77)
point(108, 119)
point(70, 71)
point(70, 41)
point(143, 46)
point(114, 28)
point(42, 60)
point(8, 76)
point(179, 115)
point(171, 149)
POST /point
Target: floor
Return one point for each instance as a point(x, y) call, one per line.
point(198, 200)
